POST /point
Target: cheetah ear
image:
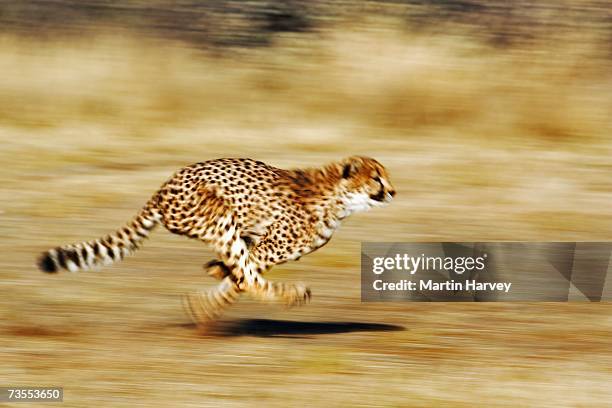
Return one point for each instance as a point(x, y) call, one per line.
point(350, 168)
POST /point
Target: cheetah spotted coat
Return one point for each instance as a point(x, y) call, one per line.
point(253, 215)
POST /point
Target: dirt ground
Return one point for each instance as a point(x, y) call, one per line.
point(482, 144)
point(119, 337)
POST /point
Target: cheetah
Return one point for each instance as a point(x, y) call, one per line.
point(253, 215)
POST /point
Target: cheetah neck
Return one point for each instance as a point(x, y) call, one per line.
point(355, 202)
point(331, 209)
point(322, 190)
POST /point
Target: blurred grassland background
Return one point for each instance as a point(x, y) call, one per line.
point(492, 117)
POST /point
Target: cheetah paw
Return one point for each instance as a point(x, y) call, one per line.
point(296, 295)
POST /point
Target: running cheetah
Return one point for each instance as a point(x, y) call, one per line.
point(253, 215)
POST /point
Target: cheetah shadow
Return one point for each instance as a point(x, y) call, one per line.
point(288, 328)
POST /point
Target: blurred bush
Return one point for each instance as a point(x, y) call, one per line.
point(481, 69)
point(254, 22)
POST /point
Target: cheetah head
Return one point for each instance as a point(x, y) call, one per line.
point(365, 184)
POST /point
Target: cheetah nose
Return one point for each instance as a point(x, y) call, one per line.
point(389, 196)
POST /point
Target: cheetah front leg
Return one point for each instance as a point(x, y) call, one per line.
point(266, 253)
point(259, 261)
point(291, 295)
point(288, 293)
point(205, 307)
point(245, 275)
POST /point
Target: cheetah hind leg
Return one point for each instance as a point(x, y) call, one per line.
point(204, 307)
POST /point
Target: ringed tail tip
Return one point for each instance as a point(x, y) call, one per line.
point(46, 264)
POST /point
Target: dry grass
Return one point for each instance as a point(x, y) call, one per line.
point(483, 144)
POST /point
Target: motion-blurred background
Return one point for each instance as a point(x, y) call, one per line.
point(492, 117)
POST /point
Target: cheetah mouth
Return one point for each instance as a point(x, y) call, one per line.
point(380, 196)
point(381, 199)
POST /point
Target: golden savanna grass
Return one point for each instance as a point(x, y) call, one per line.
point(482, 142)
point(368, 77)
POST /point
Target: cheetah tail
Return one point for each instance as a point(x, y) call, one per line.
point(103, 251)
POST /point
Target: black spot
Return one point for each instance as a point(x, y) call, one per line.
point(46, 264)
point(346, 171)
point(61, 258)
point(300, 178)
point(110, 252)
point(380, 196)
point(248, 241)
point(83, 253)
point(96, 248)
point(213, 263)
point(72, 255)
point(216, 263)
